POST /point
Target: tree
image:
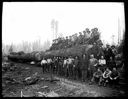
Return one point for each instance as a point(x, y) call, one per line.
point(10, 49)
point(46, 45)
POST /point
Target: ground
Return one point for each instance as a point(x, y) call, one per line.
point(61, 87)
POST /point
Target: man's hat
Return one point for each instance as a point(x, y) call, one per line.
point(113, 46)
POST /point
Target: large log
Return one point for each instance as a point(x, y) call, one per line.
point(74, 51)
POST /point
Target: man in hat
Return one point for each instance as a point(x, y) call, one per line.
point(80, 38)
point(87, 35)
point(65, 66)
point(84, 37)
point(75, 68)
point(66, 42)
point(53, 64)
point(92, 65)
point(108, 53)
point(43, 64)
point(75, 39)
point(49, 61)
point(70, 66)
point(60, 66)
point(84, 66)
point(114, 51)
point(102, 63)
point(111, 63)
point(70, 41)
point(95, 34)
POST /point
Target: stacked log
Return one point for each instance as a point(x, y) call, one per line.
point(73, 51)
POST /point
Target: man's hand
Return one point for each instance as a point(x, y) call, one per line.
point(115, 78)
point(111, 78)
point(95, 64)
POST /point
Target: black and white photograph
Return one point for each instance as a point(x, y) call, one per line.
point(63, 49)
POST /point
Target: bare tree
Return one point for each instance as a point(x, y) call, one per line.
point(10, 49)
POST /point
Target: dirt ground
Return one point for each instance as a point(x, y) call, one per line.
point(61, 87)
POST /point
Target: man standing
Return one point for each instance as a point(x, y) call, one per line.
point(49, 61)
point(108, 53)
point(95, 34)
point(60, 64)
point(70, 66)
point(65, 66)
point(100, 51)
point(114, 52)
point(75, 68)
point(87, 35)
point(66, 42)
point(70, 41)
point(102, 63)
point(111, 63)
point(80, 38)
point(43, 64)
point(84, 67)
point(75, 39)
point(92, 65)
point(54, 64)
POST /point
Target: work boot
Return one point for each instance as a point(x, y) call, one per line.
point(104, 84)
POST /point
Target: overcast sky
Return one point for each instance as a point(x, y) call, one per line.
point(29, 21)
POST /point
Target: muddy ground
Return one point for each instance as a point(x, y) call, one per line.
point(44, 87)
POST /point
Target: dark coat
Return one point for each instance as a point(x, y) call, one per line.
point(111, 64)
point(108, 53)
point(76, 63)
point(84, 63)
point(114, 74)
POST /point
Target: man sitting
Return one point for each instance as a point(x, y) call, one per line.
point(97, 76)
point(114, 76)
point(106, 75)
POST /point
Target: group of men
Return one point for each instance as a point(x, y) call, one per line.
point(73, 40)
point(104, 69)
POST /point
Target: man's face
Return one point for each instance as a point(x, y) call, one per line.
point(110, 58)
point(114, 69)
point(98, 69)
point(92, 56)
point(102, 57)
point(108, 46)
point(107, 69)
point(88, 32)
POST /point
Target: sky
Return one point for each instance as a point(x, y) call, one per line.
point(29, 21)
